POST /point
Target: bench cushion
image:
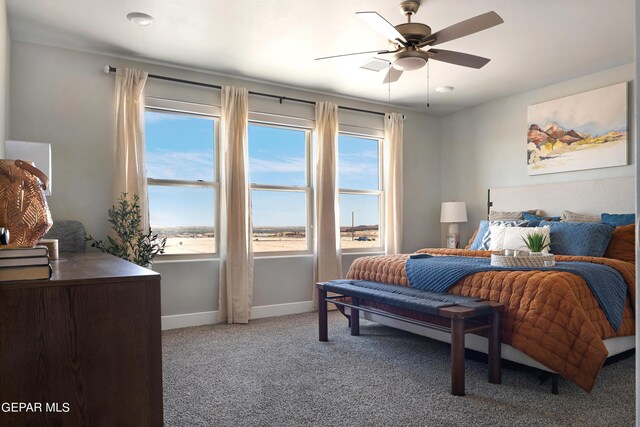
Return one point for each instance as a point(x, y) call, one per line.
point(404, 297)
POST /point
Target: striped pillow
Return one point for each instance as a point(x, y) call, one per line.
point(568, 216)
point(504, 216)
point(511, 216)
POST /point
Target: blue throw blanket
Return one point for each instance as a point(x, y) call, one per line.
point(439, 273)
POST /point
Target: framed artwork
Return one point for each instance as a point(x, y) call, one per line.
point(584, 131)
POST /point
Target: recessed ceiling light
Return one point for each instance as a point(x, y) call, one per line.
point(444, 89)
point(140, 18)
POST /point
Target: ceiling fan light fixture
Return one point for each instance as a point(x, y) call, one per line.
point(409, 63)
point(409, 60)
point(140, 18)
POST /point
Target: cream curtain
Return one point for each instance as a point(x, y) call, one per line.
point(327, 259)
point(393, 136)
point(236, 253)
point(129, 170)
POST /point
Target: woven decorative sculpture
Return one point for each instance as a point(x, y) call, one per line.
point(23, 205)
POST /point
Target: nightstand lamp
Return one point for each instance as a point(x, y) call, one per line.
point(453, 213)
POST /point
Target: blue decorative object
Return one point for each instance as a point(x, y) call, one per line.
point(618, 220)
point(483, 228)
point(534, 220)
point(439, 273)
point(579, 238)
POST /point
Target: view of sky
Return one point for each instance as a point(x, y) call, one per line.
point(180, 147)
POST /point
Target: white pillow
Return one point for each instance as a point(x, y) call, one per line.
point(512, 238)
point(497, 236)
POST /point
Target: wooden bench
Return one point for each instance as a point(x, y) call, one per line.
point(463, 314)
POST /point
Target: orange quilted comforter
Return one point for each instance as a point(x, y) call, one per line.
point(551, 316)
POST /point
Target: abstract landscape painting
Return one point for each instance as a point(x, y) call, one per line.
point(583, 131)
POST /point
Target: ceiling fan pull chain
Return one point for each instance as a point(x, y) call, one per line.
point(389, 84)
point(428, 84)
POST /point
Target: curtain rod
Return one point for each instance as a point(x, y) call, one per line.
point(109, 69)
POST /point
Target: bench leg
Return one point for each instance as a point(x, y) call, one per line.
point(322, 315)
point(457, 357)
point(355, 317)
point(554, 383)
point(495, 346)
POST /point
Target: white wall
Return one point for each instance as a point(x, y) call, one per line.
point(62, 97)
point(5, 61)
point(485, 146)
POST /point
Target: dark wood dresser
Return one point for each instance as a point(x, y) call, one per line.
point(83, 348)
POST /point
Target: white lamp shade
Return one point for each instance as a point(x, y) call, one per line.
point(453, 212)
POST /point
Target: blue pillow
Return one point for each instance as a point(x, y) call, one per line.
point(483, 228)
point(534, 220)
point(579, 238)
point(618, 220)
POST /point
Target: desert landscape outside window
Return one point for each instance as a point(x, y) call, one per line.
point(359, 179)
point(280, 188)
point(183, 185)
point(181, 178)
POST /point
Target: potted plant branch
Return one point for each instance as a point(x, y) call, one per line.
point(536, 243)
point(130, 243)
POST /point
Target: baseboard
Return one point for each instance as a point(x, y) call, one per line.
point(190, 319)
point(210, 317)
point(262, 311)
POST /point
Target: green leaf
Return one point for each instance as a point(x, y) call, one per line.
point(129, 242)
point(536, 242)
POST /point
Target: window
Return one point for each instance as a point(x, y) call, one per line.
point(182, 179)
point(280, 188)
point(359, 178)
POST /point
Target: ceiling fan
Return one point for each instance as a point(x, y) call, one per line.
point(413, 41)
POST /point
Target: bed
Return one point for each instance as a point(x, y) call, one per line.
point(552, 321)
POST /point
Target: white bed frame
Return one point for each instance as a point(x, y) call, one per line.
point(614, 195)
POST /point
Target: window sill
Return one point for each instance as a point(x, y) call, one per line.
point(170, 259)
point(373, 251)
point(276, 255)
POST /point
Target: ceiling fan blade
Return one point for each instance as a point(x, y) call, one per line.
point(381, 25)
point(458, 58)
point(464, 28)
point(392, 76)
point(379, 52)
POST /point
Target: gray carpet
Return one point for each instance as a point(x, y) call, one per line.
point(275, 372)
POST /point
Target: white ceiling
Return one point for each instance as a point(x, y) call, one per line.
point(541, 41)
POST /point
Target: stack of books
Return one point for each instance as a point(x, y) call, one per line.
point(24, 263)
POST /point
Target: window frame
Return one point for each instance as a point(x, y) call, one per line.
point(200, 111)
point(283, 122)
point(378, 135)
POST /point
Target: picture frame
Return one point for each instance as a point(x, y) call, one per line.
point(588, 130)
